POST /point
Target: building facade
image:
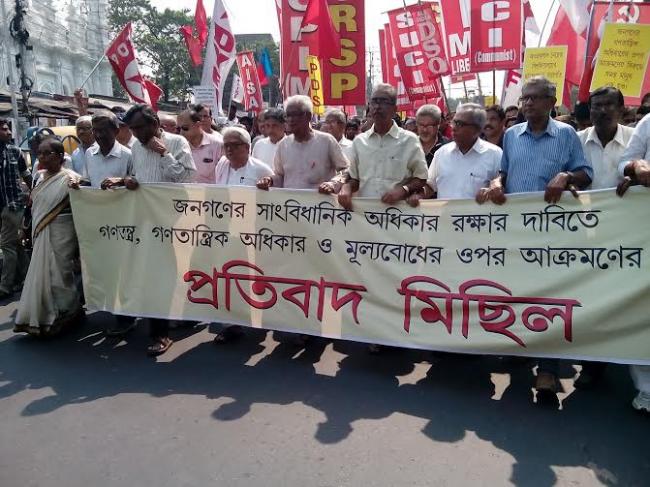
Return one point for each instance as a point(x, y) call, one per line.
point(68, 37)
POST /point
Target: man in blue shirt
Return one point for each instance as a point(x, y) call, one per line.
point(540, 154)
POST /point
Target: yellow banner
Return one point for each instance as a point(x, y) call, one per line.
point(316, 84)
point(622, 59)
point(569, 280)
point(549, 62)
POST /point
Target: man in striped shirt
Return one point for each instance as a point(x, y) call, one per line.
point(158, 157)
point(540, 154)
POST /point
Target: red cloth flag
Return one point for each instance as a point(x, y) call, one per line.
point(201, 23)
point(329, 41)
point(193, 44)
point(121, 55)
point(155, 92)
point(496, 34)
point(252, 89)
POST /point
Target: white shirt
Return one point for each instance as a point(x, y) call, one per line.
point(639, 145)
point(454, 175)
point(346, 146)
point(379, 162)
point(265, 150)
point(79, 158)
point(605, 160)
point(117, 164)
point(177, 166)
point(247, 175)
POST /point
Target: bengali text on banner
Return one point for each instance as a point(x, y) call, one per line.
point(569, 280)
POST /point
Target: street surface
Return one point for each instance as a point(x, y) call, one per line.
point(86, 411)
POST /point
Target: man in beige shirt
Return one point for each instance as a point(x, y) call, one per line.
point(306, 159)
point(387, 162)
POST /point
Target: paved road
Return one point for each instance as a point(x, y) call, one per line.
point(84, 411)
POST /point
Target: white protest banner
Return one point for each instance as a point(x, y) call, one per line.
point(569, 280)
point(204, 95)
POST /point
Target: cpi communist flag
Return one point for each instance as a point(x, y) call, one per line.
point(252, 89)
point(496, 34)
point(121, 55)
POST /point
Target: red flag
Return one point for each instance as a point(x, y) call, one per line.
point(497, 30)
point(121, 55)
point(201, 23)
point(154, 91)
point(252, 89)
point(563, 33)
point(329, 41)
point(193, 45)
point(261, 75)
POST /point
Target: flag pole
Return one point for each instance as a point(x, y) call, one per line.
point(92, 71)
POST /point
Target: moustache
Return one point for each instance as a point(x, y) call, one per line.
point(488, 126)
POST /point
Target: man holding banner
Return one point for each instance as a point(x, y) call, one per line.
point(540, 155)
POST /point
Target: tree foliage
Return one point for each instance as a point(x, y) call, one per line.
point(159, 44)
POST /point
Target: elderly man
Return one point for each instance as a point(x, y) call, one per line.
point(387, 161)
point(635, 169)
point(428, 118)
point(540, 155)
point(206, 150)
point(12, 204)
point(238, 168)
point(274, 123)
point(334, 124)
point(85, 135)
point(462, 167)
point(495, 126)
point(158, 157)
point(306, 159)
point(168, 123)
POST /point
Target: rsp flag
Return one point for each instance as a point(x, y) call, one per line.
point(496, 35)
point(250, 81)
point(344, 76)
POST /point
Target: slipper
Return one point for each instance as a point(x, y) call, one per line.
point(116, 332)
point(159, 346)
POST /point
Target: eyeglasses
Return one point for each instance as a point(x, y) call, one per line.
point(533, 98)
point(461, 124)
point(184, 128)
point(382, 101)
point(233, 145)
point(294, 114)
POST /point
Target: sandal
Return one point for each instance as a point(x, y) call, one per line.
point(159, 346)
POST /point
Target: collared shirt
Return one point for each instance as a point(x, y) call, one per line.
point(531, 161)
point(13, 169)
point(265, 150)
point(379, 162)
point(455, 175)
point(605, 160)
point(440, 141)
point(177, 166)
point(247, 175)
point(79, 158)
point(639, 145)
point(305, 165)
point(117, 164)
point(206, 156)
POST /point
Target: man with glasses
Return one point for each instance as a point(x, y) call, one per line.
point(462, 167)
point(541, 154)
point(427, 119)
point(206, 150)
point(206, 121)
point(387, 162)
point(306, 159)
point(12, 204)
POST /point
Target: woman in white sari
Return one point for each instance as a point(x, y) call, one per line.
point(50, 300)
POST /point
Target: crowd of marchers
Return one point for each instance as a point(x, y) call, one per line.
point(475, 152)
